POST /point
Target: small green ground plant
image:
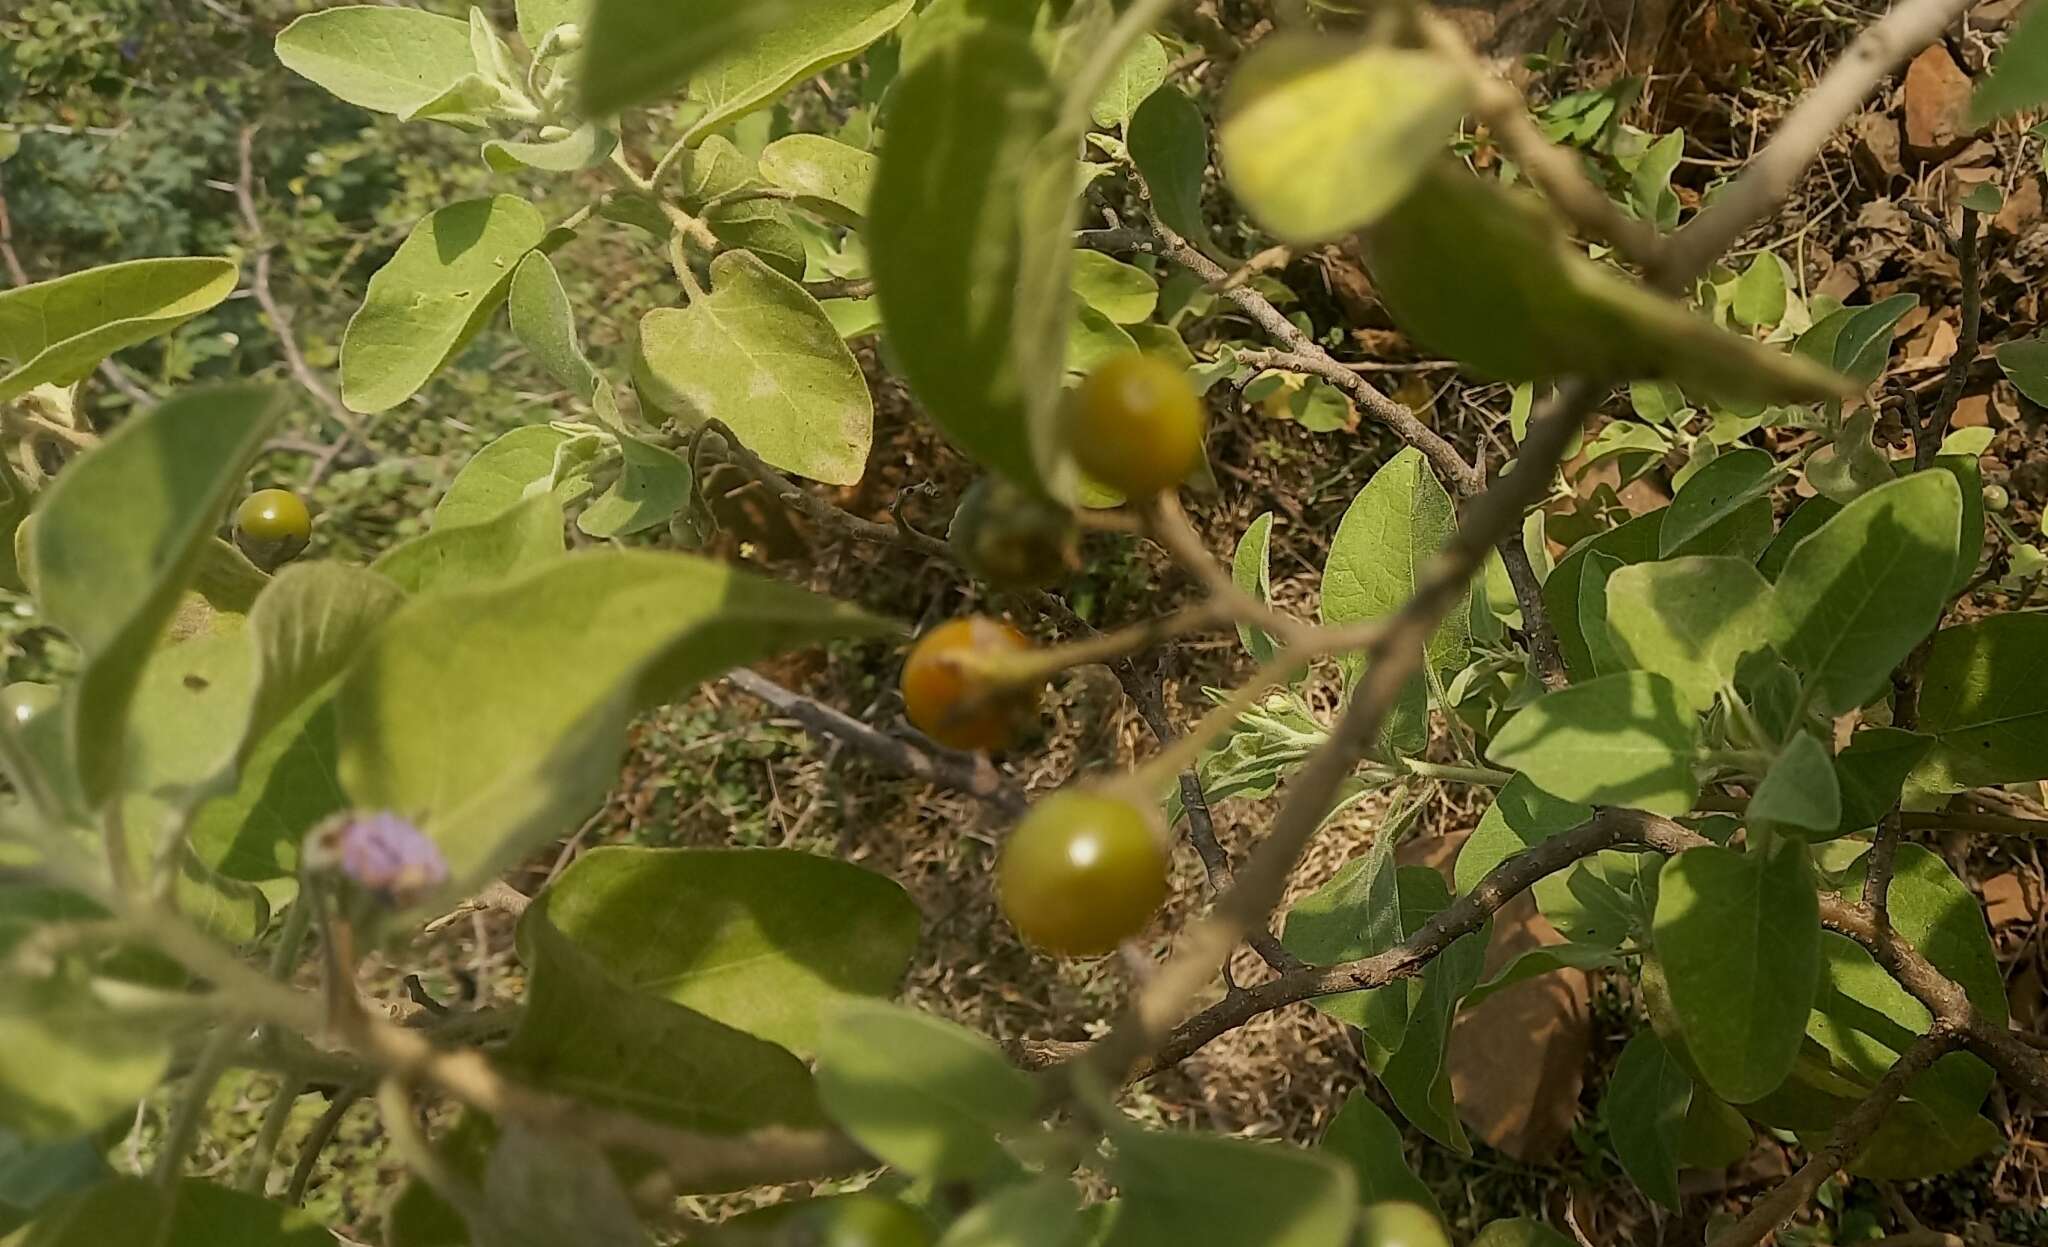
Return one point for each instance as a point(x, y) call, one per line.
point(1705, 733)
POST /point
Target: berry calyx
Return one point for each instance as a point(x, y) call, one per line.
point(949, 693)
point(1397, 1223)
point(1082, 873)
point(1011, 537)
point(1135, 425)
point(272, 525)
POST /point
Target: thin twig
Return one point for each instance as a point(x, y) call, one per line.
point(1775, 171)
point(279, 319)
point(316, 1142)
point(804, 501)
point(969, 773)
point(1927, 439)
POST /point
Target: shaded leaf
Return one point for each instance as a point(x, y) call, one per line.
point(1168, 139)
point(1368, 1140)
point(826, 176)
point(116, 539)
point(1645, 1110)
point(1800, 790)
point(653, 485)
point(431, 725)
point(1738, 937)
point(1522, 816)
point(537, 458)
point(2018, 79)
point(969, 119)
point(765, 940)
point(1251, 568)
point(545, 324)
point(923, 1094)
point(1859, 593)
point(1193, 1188)
point(1984, 697)
point(1734, 482)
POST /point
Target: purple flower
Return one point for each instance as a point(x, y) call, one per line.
point(382, 853)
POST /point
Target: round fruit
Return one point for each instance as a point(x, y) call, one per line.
point(1396, 1223)
point(272, 525)
point(950, 699)
point(1011, 537)
point(1996, 499)
point(1136, 425)
point(22, 702)
point(1082, 873)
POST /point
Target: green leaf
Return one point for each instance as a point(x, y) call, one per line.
point(1735, 484)
point(1633, 542)
point(197, 1214)
point(586, 1035)
point(1624, 739)
point(1858, 594)
point(1689, 620)
point(1970, 482)
point(120, 533)
point(1251, 568)
point(69, 1062)
point(828, 177)
point(1806, 520)
point(1522, 816)
point(1872, 770)
point(1851, 465)
point(1322, 135)
point(1760, 295)
point(548, 1190)
point(1548, 959)
point(1856, 341)
point(2018, 79)
point(538, 17)
point(1520, 1232)
point(1367, 1139)
point(1168, 139)
point(1938, 915)
point(534, 459)
point(585, 147)
point(1801, 789)
point(494, 715)
point(55, 332)
point(307, 627)
point(1644, 1111)
point(546, 325)
point(2024, 362)
point(432, 297)
point(1390, 532)
point(286, 786)
point(1141, 73)
point(1984, 697)
point(807, 38)
point(1738, 937)
point(1658, 402)
point(968, 118)
point(1861, 1014)
point(921, 1093)
point(1179, 1189)
point(33, 1174)
point(634, 51)
point(1124, 293)
point(759, 354)
point(1716, 1136)
point(1416, 1073)
point(765, 940)
point(653, 485)
point(1605, 900)
point(384, 59)
point(1356, 914)
point(186, 719)
point(1040, 1213)
point(1480, 273)
point(457, 555)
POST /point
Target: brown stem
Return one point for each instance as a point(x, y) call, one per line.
point(972, 774)
point(1850, 1133)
